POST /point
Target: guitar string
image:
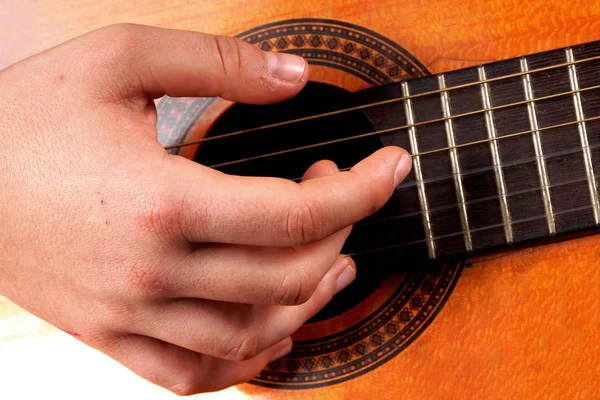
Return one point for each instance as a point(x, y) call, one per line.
point(573, 150)
point(468, 203)
point(498, 138)
point(483, 228)
point(389, 130)
point(474, 171)
point(380, 103)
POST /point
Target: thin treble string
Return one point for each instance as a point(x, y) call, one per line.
point(379, 103)
point(546, 156)
point(484, 169)
point(483, 228)
point(474, 171)
point(468, 203)
point(397, 128)
point(512, 135)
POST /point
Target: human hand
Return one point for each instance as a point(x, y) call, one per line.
point(194, 283)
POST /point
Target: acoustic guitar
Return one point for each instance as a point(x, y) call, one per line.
point(479, 279)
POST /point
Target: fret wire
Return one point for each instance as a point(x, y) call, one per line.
point(583, 135)
point(495, 151)
point(570, 151)
point(511, 135)
point(521, 161)
point(470, 202)
point(367, 106)
point(460, 193)
point(412, 133)
point(537, 144)
point(396, 128)
point(483, 228)
point(498, 138)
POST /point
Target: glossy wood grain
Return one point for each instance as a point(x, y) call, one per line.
point(442, 34)
point(521, 324)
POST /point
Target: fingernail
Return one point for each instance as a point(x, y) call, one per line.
point(345, 279)
point(403, 169)
point(286, 67)
point(282, 352)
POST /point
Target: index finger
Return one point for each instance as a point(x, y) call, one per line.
point(275, 212)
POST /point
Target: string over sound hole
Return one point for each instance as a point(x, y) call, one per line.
point(236, 152)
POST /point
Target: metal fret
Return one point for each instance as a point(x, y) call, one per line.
point(539, 152)
point(460, 193)
point(412, 133)
point(587, 154)
point(495, 150)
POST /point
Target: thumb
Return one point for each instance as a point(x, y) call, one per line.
point(156, 61)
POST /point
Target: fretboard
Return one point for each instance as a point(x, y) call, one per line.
point(504, 153)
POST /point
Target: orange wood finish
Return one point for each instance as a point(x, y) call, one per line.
point(521, 324)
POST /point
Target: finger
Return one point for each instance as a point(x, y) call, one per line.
point(252, 274)
point(319, 169)
point(277, 212)
point(157, 61)
point(258, 275)
point(237, 332)
point(185, 372)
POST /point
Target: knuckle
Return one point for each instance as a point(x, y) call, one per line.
point(296, 288)
point(377, 192)
point(110, 317)
point(246, 345)
point(108, 71)
point(187, 386)
point(137, 279)
point(229, 54)
point(116, 314)
point(144, 280)
point(117, 44)
point(124, 35)
point(384, 188)
point(377, 199)
point(159, 216)
point(304, 222)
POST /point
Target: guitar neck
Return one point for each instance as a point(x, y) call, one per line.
point(503, 153)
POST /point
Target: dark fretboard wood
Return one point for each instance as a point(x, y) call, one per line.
point(496, 192)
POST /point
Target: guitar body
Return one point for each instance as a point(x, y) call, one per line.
point(516, 323)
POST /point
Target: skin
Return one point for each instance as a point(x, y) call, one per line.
point(194, 283)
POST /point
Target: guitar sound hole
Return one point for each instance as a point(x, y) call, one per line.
point(316, 98)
